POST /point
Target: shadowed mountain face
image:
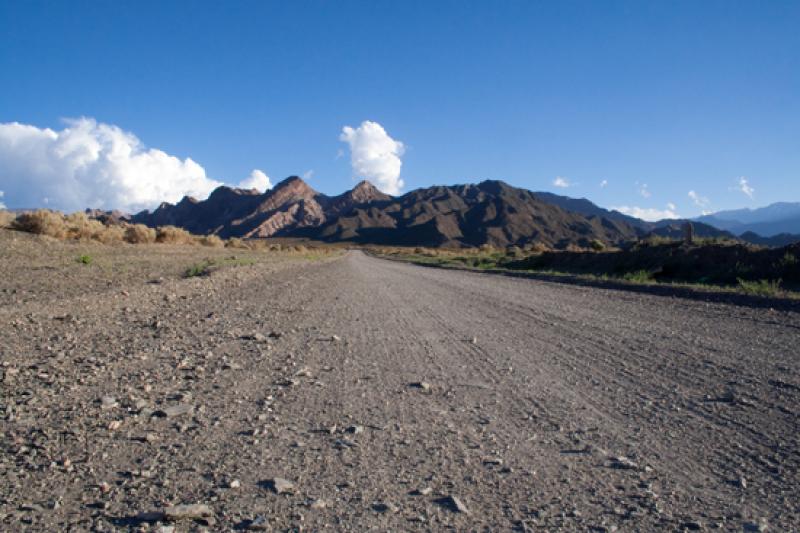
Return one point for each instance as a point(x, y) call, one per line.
point(490, 212)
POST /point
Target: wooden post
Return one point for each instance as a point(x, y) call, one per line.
point(688, 233)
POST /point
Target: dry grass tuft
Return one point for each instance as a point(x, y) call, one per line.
point(41, 222)
point(211, 240)
point(235, 242)
point(6, 218)
point(173, 235)
point(140, 234)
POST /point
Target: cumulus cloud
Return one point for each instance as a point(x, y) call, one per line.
point(745, 187)
point(604, 184)
point(256, 180)
point(648, 213)
point(560, 182)
point(90, 164)
point(374, 155)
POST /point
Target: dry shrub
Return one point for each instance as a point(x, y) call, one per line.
point(536, 248)
point(6, 218)
point(140, 234)
point(258, 244)
point(80, 226)
point(211, 240)
point(42, 222)
point(110, 234)
point(173, 235)
point(235, 242)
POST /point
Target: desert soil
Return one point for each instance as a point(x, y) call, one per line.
point(350, 393)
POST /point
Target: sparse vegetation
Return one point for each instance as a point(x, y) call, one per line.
point(207, 266)
point(762, 287)
point(85, 259)
point(597, 245)
point(715, 264)
point(639, 276)
point(198, 269)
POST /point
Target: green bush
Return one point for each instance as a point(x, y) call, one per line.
point(638, 276)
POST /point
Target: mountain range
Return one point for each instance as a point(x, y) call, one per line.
point(490, 212)
point(769, 221)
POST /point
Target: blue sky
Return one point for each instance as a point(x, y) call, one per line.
point(677, 96)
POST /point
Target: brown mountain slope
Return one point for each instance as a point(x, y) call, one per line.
point(491, 212)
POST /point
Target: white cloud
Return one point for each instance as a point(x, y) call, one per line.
point(308, 174)
point(256, 180)
point(644, 191)
point(745, 187)
point(604, 184)
point(561, 182)
point(90, 164)
point(647, 213)
point(671, 206)
point(374, 155)
point(700, 201)
point(2, 205)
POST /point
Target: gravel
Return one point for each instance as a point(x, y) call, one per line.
point(579, 408)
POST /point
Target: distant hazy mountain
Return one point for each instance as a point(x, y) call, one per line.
point(781, 217)
point(774, 225)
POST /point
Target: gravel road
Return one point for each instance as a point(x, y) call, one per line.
point(352, 393)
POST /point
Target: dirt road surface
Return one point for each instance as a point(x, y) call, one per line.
point(390, 397)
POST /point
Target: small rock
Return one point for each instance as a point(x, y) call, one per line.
point(150, 516)
point(423, 385)
point(188, 511)
point(355, 430)
point(259, 523)
point(279, 485)
point(108, 402)
point(385, 507)
point(318, 504)
point(623, 463)
point(235, 484)
point(760, 526)
point(425, 491)
point(454, 504)
point(692, 525)
point(335, 338)
point(114, 425)
point(174, 410)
